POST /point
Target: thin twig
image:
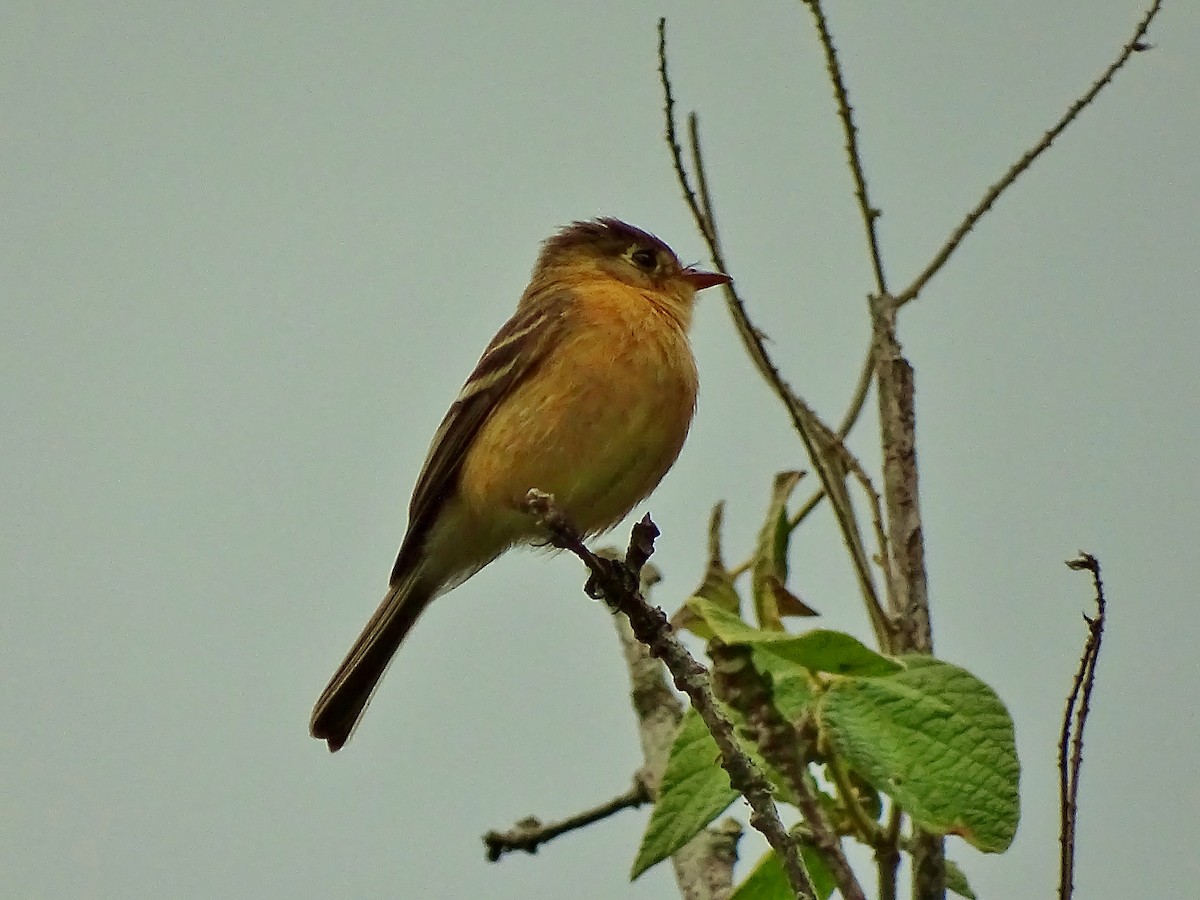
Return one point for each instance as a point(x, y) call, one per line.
point(710, 219)
point(530, 833)
point(807, 424)
point(879, 619)
point(870, 212)
point(617, 585)
point(1135, 44)
point(1070, 745)
point(819, 440)
point(689, 195)
point(859, 398)
point(866, 377)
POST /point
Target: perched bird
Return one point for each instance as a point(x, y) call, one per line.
point(586, 393)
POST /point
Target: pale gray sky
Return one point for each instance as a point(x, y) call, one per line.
point(250, 251)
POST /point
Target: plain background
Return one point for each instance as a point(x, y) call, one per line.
point(250, 251)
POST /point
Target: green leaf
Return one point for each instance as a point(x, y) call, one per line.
point(768, 881)
point(694, 791)
point(726, 625)
point(956, 881)
point(937, 740)
point(717, 586)
point(818, 650)
point(769, 572)
point(791, 685)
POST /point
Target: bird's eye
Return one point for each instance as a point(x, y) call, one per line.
point(644, 259)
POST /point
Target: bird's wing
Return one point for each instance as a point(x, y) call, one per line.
point(515, 353)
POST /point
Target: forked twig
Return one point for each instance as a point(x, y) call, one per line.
point(807, 424)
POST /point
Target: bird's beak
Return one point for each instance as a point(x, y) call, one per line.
point(700, 279)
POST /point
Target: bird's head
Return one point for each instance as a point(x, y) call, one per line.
point(611, 248)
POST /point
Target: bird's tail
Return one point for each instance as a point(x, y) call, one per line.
point(342, 703)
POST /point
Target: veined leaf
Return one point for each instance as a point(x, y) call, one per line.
point(937, 740)
point(694, 791)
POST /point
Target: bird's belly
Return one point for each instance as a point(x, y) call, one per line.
point(597, 433)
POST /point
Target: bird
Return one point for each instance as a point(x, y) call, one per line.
point(587, 393)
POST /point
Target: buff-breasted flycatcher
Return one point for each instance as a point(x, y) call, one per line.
point(587, 393)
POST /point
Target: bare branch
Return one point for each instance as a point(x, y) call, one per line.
point(814, 434)
point(704, 865)
point(859, 399)
point(866, 376)
point(879, 619)
point(1070, 745)
point(617, 585)
point(1135, 44)
point(530, 833)
point(673, 142)
point(870, 212)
